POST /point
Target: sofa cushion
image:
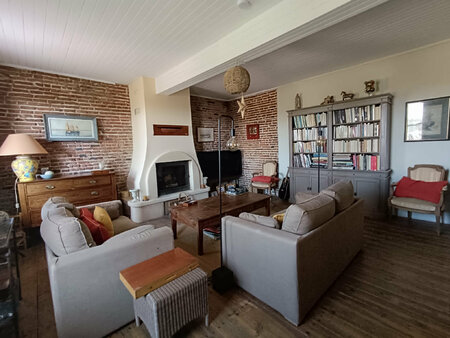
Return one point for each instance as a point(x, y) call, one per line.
point(412, 203)
point(98, 231)
point(342, 192)
point(303, 196)
point(131, 235)
point(123, 223)
point(56, 202)
point(87, 233)
point(263, 220)
point(62, 232)
point(101, 215)
point(279, 218)
point(303, 217)
point(113, 208)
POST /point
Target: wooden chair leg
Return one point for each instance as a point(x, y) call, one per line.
point(438, 223)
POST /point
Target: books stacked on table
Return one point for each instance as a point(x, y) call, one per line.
point(232, 190)
point(212, 232)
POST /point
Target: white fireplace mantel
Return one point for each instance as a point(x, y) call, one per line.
point(148, 109)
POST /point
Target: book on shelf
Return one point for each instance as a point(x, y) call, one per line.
point(311, 134)
point(356, 146)
point(356, 162)
point(343, 161)
point(359, 130)
point(357, 114)
point(309, 147)
point(310, 120)
point(310, 160)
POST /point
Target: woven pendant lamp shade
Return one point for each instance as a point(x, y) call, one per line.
point(236, 80)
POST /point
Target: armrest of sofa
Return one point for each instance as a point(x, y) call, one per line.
point(263, 259)
point(85, 285)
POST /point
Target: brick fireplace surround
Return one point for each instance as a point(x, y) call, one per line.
point(26, 95)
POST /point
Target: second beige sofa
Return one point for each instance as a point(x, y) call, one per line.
point(291, 271)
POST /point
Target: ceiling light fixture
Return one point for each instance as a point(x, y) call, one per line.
point(236, 81)
point(244, 4)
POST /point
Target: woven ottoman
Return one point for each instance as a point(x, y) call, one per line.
point(173, 305)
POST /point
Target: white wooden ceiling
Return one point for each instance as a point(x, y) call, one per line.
point(114, 40)
point(393, 27)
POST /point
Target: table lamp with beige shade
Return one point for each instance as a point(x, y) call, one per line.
point(22, 146)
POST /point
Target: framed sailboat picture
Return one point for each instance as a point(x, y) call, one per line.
point(70, 128)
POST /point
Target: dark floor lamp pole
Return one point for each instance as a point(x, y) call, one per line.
point(320, 143)
point(222, 278)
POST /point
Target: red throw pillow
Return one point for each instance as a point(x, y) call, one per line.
point(262, 179)
point(426, 191)
point(98, 231)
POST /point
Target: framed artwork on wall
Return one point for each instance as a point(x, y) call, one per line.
point(205, 134)
point(427, 120)
point(70, 128)
point(252, 131)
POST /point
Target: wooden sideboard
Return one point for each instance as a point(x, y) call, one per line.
point(79, 190)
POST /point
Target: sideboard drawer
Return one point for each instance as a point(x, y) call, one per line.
point(85, 196)
point(36, 202)
point(38, 188)
point(92, 181)
point(79, 190)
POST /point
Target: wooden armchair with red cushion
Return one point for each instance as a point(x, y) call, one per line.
point(265, 179)
point(422, 191)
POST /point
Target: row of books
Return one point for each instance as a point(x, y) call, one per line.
point(357, 114)
point(308, 134)
point(356, 146)
point(212, 232)
point(310, 160)
point(356, 162)
point(310, 120)
point(359, 130)
point(309, 147)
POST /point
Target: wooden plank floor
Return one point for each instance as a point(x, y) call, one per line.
point(398, 286)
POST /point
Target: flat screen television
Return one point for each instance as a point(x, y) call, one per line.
point(231, 165)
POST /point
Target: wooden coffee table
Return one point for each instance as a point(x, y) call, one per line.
point(206, 212)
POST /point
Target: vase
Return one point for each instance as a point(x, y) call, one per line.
point(25, 168)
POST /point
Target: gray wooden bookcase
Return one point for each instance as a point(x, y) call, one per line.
point(370, 185)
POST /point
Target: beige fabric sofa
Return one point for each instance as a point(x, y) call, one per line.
point(88, 298)
point(291, 271)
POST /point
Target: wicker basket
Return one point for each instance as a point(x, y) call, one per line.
point(236, 80)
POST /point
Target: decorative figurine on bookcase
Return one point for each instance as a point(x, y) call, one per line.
point(298, 101)
point(347, 96)
point(328, 100)
point(370, 87)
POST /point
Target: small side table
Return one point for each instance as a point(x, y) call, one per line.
point(169, 291)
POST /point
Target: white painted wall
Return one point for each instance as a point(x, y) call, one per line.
point(419, 74)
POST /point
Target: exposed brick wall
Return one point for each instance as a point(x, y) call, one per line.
point(205, 114)
point(26, 95)
point(261, 109)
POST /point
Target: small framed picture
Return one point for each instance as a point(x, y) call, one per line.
point(205, 134)
point(427, 120)
point(70, 128)
point(252, 131)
